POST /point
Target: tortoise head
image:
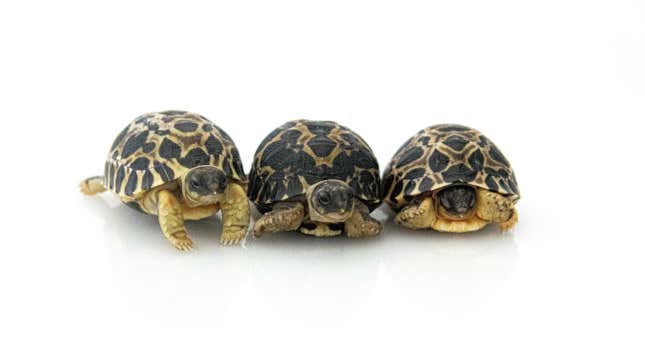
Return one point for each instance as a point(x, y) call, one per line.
point(330, 201)
point(457, 202)
point(203, 185)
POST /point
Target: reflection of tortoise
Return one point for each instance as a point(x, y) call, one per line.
point(317, 177)
point(451, 178)
point(177, 165)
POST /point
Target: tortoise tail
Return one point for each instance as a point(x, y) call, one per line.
point(92, 185)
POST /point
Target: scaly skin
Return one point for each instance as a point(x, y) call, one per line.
point(360, 224)
point(236, 214)
point(420, 215)
point(497, 208)
point(171, 221)
point(93, 185)
point(285, 216)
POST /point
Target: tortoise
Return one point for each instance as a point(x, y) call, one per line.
point(317, 177)
point(451, 178)
point(179, 166)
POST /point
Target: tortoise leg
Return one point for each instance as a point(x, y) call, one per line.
point(285, 216)
point(171, 221)
point(417, 215)
point(360, 224)
point(93, 185)
point(235, 214)
point(495, 207)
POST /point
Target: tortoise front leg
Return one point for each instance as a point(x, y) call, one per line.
point(171, 221)
point(417, 215)
point(285, 216)
point(92, 185)
point(495, 207)
point(360, 224)
point(235, 214)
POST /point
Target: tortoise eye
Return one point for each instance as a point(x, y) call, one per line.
point(324, 198)
point(194, 183)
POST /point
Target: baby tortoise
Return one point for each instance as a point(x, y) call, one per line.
point(317, 177)
point(451, 178)
point(179, 166)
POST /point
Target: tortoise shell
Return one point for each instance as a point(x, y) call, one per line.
point(442, 155)
point(301, 153)
point(160, 147)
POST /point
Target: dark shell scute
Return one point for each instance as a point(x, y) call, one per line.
point(186, 126)
point(322, 146)
point(454, 128)
point(491, 184)
point(166, 173)
point(456, 142)
point(476, 160)
point(143, 119)
point(140, 164)
point(483, 141)
point(173, 113)
point(426, 185)
point(131, 186)
point(415, 173)
point(498, 156)
point(409, 156)
point(195, 157)
point(120, 175)
point(350, 139)
point(292, 136)
point(513, 185)
point(147, 180)
point(494, 172)
point(133, 144)
point(149, 147)
point(409, 188)
point(169, 150)
point(237, 164)
point(120, 137)
point(438, 161)
point(321, 128)
point(459, 173)
point(294, 187)
point(214, 146)
point(277, 155)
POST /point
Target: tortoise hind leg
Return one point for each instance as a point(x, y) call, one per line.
point(360, 224)
point(171, 221)
point(417, 215)
point(92, 185)
point(285, 216)
point(495, 207)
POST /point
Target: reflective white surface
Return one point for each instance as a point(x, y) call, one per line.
point(559, 86)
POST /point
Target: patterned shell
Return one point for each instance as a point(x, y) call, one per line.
point(301, 153)
point(442, 155)
point(158, 148)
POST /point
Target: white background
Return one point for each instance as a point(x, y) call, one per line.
point(558, 85)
